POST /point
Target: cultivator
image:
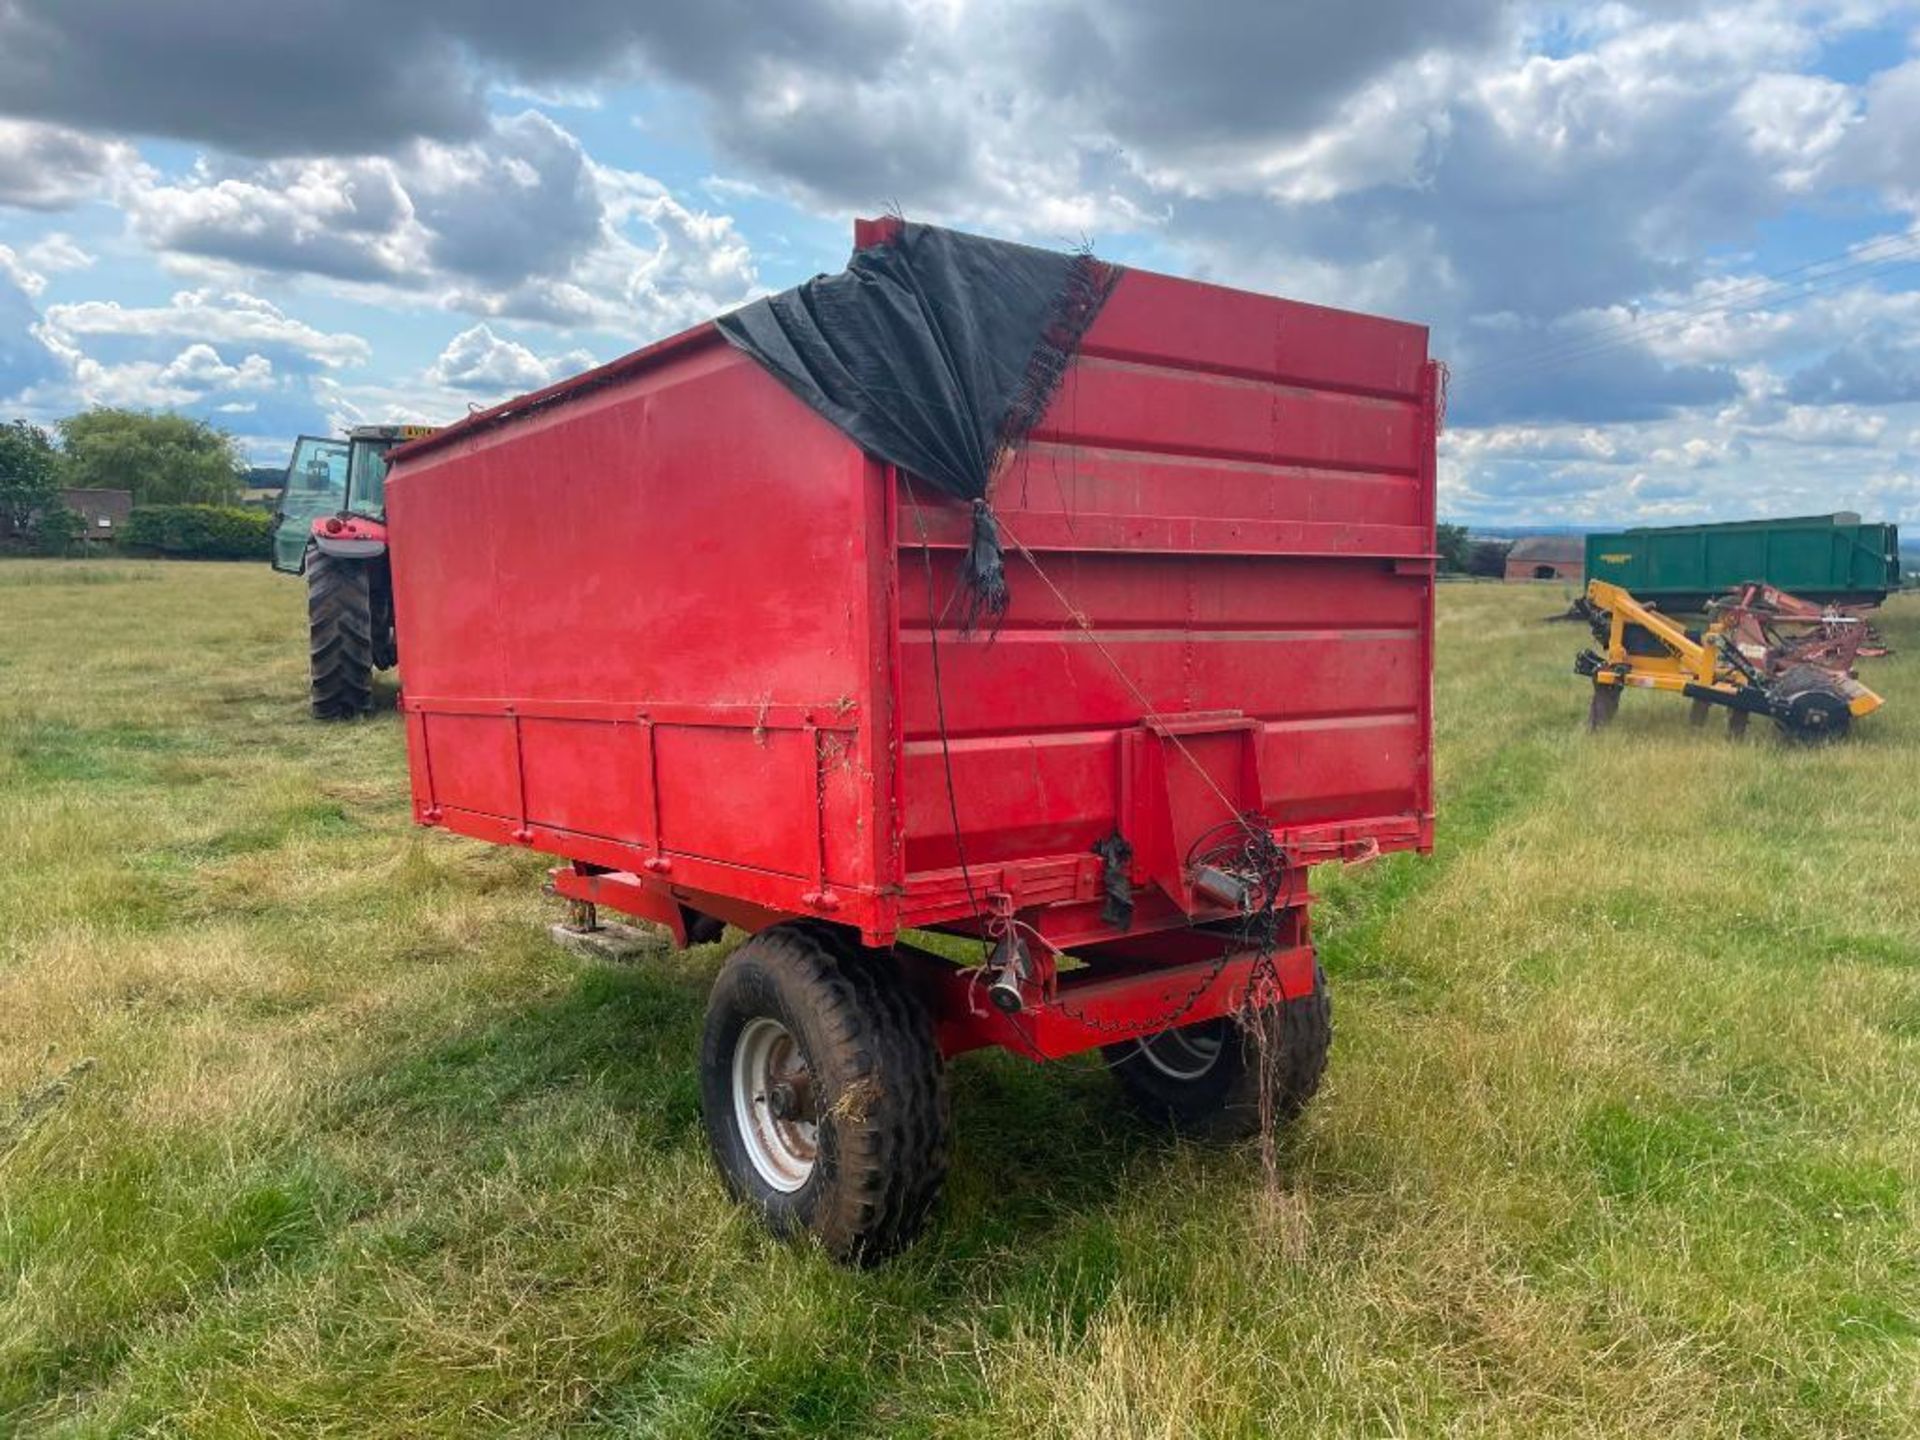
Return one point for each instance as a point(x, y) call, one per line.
point(1781, 631)
point(1806, 688)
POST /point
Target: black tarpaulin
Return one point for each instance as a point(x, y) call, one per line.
point(937, 351)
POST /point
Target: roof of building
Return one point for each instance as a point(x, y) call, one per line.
point(1551, 549)
point(111, 502)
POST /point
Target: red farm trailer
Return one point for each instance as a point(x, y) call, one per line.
point(673, 625)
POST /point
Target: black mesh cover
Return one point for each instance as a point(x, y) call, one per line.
point(937, 351)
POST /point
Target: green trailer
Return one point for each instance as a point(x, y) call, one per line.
point(1834, 559)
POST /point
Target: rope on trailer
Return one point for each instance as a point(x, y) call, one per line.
point(1079, 618)
point(946, 750)
point(1262, 861)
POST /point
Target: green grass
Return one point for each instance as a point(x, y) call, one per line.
point(305, 1127)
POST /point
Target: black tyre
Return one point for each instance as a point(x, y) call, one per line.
point(1205, 1079)
point(340, 636)
point(386, 640)
point(1811, 707)
point(824, 1095)
point(702, 929)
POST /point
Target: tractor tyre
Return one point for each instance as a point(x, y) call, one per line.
point(386, 639)
point(1205, 1079)
point(824, 1095)
point(340, 635)
point(1603, 707)
point(1810, 706)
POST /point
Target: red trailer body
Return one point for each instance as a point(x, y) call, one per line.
point(665, 622)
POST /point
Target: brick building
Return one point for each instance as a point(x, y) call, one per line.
point(104, 511)
point(1548, 557)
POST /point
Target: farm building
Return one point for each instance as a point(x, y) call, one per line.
point(1548, 557)
point(104, 512)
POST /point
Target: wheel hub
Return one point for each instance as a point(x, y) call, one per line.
point(1184, 1054)
point(773, 1104)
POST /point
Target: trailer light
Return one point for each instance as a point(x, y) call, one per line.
point(1010, 965)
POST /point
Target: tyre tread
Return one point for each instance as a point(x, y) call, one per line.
point(340, 632)
point(1224, 1104)
point(888, 1168)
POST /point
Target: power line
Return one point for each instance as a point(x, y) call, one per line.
point(1746, 295)
point(1592, 347)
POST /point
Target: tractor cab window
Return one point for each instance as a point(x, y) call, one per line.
point(367, 485)
point(316, 486)
point(317, 476)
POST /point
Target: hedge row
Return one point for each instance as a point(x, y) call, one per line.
point(205, 532)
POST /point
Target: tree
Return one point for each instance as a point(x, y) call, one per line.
point(163, 458)
point(1455, 550)
point(29, 476)
point(57, 530)
point(1489, 557)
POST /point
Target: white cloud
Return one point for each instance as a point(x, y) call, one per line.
point(349, 219)
point(193, 376)
point(1830, 425)
point(1796, 123)
point(232, 317)
point(1884, 149)
point(49, 167)
point(481, 362)
point(14, 268)
point(54, 252)
point(1534, 442)
point(521, 225)
point(203, 351)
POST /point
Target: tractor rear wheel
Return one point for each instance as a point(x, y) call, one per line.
point(824, 1095)
point(1810, 706)
point(340, 637)
point(1206, 1079)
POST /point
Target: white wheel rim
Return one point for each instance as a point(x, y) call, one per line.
point(782, 1147)
point(1182, 1054)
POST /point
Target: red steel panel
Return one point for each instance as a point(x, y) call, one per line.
point(666, 620)
point(1160, 410)
point(1233, 332)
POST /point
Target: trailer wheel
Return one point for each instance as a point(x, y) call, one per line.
point(1205, 1079)
point(1811, 706)
point(824, 1095)
point(340, 636)
point(702, 929)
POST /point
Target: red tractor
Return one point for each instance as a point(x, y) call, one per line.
point(332, 527)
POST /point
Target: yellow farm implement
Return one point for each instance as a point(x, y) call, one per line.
point(1640, 647)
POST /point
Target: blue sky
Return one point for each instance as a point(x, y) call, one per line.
point(1670, 250)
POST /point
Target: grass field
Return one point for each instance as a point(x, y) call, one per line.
point(305, 1126)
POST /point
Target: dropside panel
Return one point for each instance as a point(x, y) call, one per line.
point(1230, 508)
point(640, 631)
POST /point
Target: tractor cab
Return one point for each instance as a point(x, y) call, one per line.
point(332, 528)
point(334, 480)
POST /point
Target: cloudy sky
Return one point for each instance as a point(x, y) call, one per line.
point(1670, 250)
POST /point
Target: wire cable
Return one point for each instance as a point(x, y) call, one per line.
point(1904, 247)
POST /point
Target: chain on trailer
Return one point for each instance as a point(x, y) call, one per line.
point(1239, 862)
